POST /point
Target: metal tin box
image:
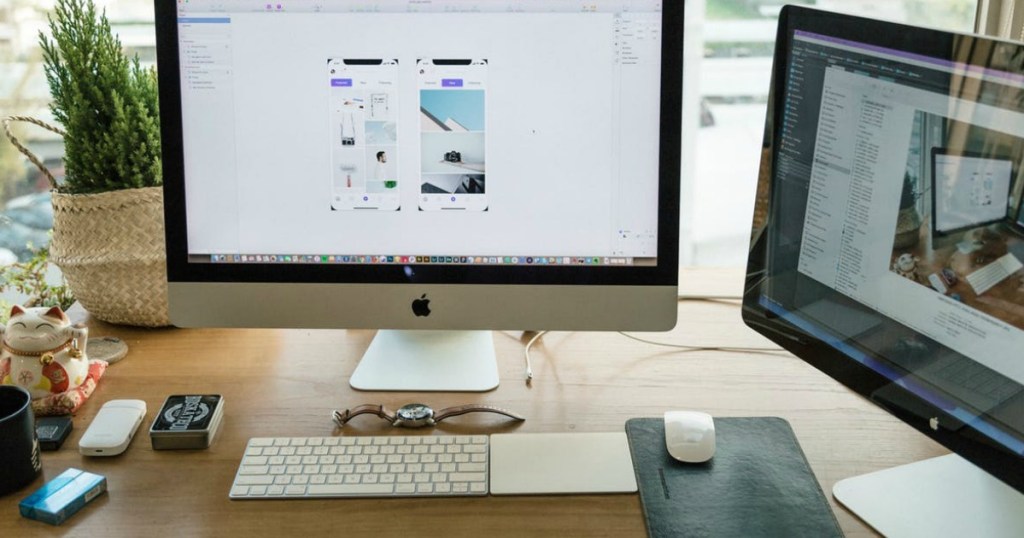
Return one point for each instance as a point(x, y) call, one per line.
point(187, 421)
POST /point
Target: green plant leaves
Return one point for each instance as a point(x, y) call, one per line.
point(107, 104)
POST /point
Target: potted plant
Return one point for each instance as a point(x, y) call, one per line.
point(28, 278)
point(908, 221)
point(108, 236)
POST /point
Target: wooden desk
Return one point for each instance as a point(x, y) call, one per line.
point(1002, 301)
point(286, 383)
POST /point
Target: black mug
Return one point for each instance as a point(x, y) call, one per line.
point(19, 446)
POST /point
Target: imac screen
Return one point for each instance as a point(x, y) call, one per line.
point(470, 140)
point(969, 190)
point(406, 164)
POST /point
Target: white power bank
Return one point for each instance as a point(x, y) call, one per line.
point(113, 428)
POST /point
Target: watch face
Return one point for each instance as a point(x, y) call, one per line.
point(414, 413)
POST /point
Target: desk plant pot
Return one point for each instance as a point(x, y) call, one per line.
point(908, 221)
point(108, 231)
point(110, 247)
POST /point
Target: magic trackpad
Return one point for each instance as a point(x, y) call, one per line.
point(551, 463)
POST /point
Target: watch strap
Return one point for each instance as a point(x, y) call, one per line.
point(473, 408)
point(341, 417)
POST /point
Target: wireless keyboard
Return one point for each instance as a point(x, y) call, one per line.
point(985, 278)
point(386, 466)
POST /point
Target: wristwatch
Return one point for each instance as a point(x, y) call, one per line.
point(417, 415)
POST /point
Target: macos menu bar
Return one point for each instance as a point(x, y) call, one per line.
point(417, 6)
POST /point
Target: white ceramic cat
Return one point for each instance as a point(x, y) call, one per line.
point(42, 352)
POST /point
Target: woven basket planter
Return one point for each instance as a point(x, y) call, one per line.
point(110, 247)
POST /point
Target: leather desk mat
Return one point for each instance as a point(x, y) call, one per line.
point(757, 484)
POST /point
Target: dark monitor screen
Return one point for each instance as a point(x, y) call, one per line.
point(842, 269)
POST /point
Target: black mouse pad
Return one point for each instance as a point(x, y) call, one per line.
point(758, 483)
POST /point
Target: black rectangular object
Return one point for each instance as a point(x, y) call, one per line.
point(52, 431)
point(757, 484)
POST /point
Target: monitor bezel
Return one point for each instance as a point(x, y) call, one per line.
point(664, 273)
point(914, 411)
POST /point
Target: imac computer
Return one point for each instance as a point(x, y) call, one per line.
point(856, 107)
point(434, 170)
point(969, 190)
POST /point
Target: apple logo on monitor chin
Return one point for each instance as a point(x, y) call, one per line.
point(421, 306)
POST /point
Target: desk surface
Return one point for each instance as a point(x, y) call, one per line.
point(286, 383)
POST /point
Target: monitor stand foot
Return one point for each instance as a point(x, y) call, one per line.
point(943, 496)
point(432, 361)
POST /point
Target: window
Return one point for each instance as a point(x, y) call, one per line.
point(729, 58)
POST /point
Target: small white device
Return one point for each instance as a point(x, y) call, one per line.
point(690, 436)
point(937, 283)
point(113, 428)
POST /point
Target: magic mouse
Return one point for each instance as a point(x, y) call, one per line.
point(690, 436)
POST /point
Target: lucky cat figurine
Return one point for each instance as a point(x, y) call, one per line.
point(42, 352)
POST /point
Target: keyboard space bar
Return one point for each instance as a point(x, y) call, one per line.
point(327, 490)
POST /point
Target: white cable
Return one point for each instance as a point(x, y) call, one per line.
point(703, 348)
point(716, 299)
point(526, 354)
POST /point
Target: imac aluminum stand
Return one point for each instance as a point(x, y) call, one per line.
point(944, 496)
point(433, 361)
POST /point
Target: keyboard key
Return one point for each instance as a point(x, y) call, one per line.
point(467, 477)
point(350, 489)
point(405, 488)
point(253, 480)
point(254, 469)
